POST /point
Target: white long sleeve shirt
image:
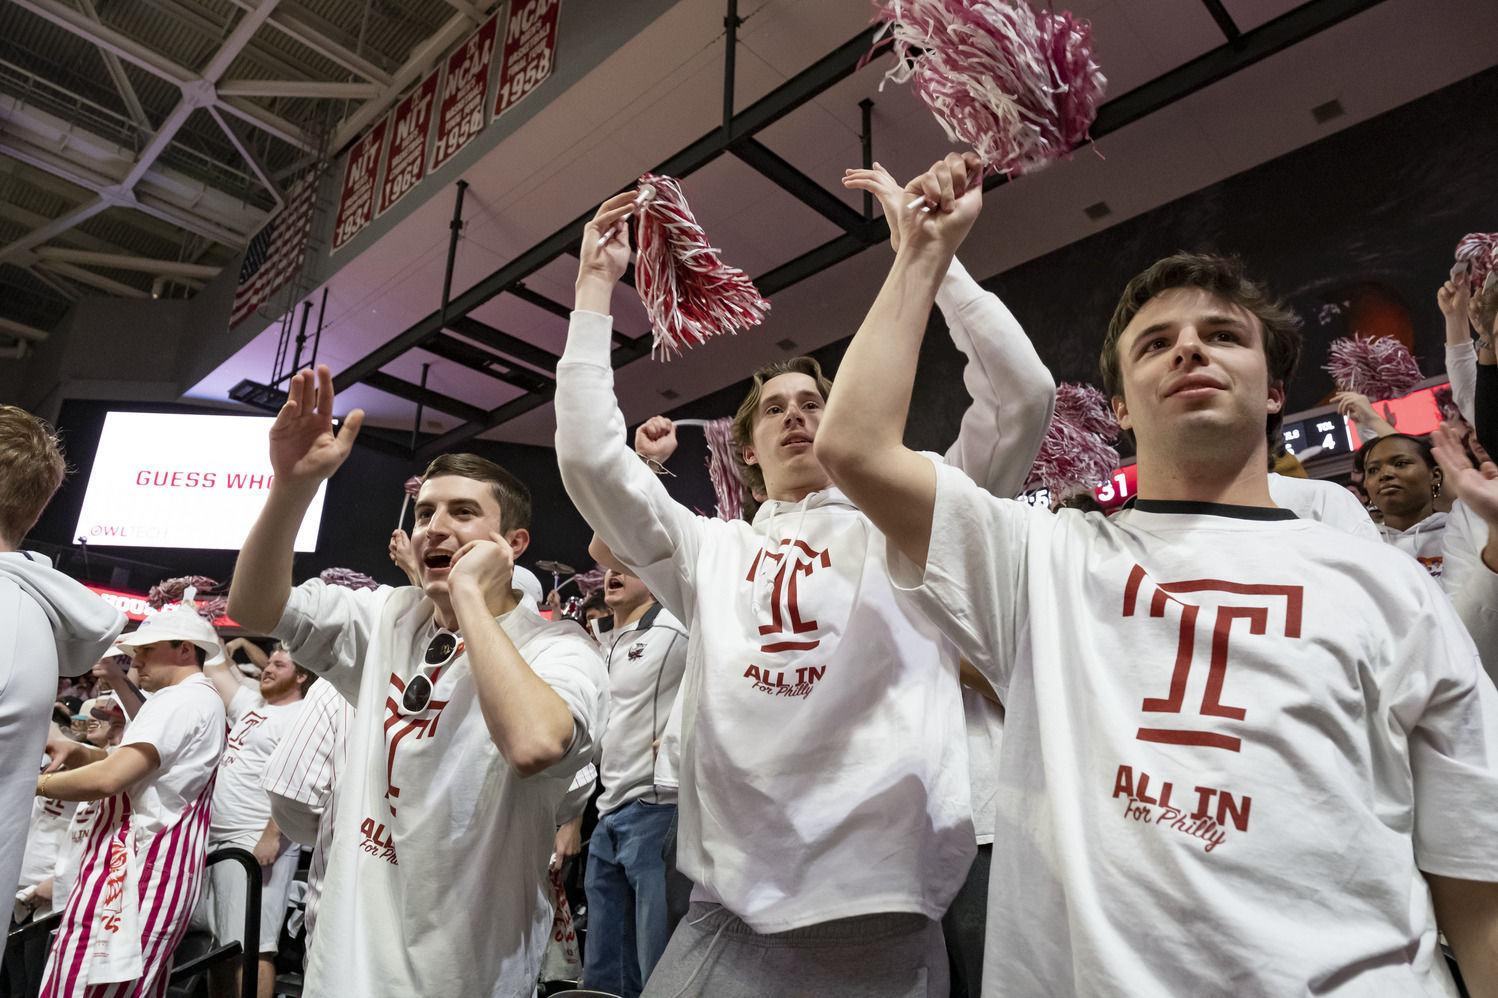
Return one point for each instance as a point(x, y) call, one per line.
point(823, 760)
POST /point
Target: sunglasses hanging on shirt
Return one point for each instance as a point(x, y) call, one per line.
point(443, 649)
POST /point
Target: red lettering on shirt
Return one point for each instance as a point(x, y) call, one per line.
point(1254, 618)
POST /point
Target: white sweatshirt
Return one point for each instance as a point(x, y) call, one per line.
point(49, 626)
point(823, 757)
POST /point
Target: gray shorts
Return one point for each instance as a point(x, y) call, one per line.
point(713, 953)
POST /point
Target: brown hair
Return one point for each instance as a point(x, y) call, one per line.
point(743, 420)
point(1226, 278)
point(31, 467)
point(510, 492)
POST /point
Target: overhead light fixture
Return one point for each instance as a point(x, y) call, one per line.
point(1097, 210)
point(670, 395)
point(787, 344)
point(258, 395)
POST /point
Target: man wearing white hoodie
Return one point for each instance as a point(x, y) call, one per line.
point(824, 803)
point(49, 624)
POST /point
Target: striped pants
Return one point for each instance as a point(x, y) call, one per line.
point(171, 876)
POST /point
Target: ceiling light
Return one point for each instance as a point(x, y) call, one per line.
point(787, 344)
point(1097, 210)
point(669, 394)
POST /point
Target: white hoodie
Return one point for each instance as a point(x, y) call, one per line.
point(824, 764)
point(49, 626)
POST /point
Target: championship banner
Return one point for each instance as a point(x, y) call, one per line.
point(356, 203)
point(530, 50)
point(405, 156)
point(460, 115)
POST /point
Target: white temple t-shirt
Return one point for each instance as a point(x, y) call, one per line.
point(1231, 746)
point(436, 878)
point(241, 808)
point(185, 724)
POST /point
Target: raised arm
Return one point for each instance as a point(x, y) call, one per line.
point(1012, 391)
point(98, 780)
point(861, 439)
point(617, 494)
point(304, 452)
point(1461, 356)
point(527, 720)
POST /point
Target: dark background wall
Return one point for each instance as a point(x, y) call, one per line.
point(1357, 231)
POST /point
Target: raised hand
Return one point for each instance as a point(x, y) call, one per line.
point(303, 447)
point(655, 440)
point(403, 557)
point(605, 250)
point(943, 203)
point(891, 196)
point(1476, 486)
point(1453, 297)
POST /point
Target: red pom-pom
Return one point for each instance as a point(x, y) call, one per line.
point(1018, 86)
point(348, 578)
point(171, 590)
point(1378, 367)
point(688, 292)
point(723, 469)
point(1479, 251)
point(1076, 453)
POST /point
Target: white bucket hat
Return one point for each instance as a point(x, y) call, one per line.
point(176, 623)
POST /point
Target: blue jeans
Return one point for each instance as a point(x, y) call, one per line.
point(626, 887)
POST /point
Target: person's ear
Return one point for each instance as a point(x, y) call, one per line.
point(749, 457)
point(1277, 397)
point(519, 539)
point(1121, 412)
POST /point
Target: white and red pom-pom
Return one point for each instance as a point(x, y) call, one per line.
point(347, 578)
point(1017, 85)
point(1479, 251)
point(688, 292)
point(169, 591)
point(1076, 452)
point(723, 469)
point(1379, 367)
point(412, 486)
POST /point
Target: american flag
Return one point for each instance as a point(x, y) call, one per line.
point(275, 255)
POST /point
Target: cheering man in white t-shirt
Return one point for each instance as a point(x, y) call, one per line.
point(473, 715)
point(142, 866)
point(1244, 753)
point(824, 803)
point(258, 720)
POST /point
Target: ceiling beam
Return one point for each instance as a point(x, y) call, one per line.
point(124, 261)
point(122, 84)
point(74, 173)
point(1225, 22)
point(256, 165)
point(476, 359)
point(424, 397)
point(510, 346)
point(312, 89)
point(24, 331)
point(819, 199)
point(57, 284)
point(324, 38)
point(52, 229)
point(159, 65)
point(95, 280)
